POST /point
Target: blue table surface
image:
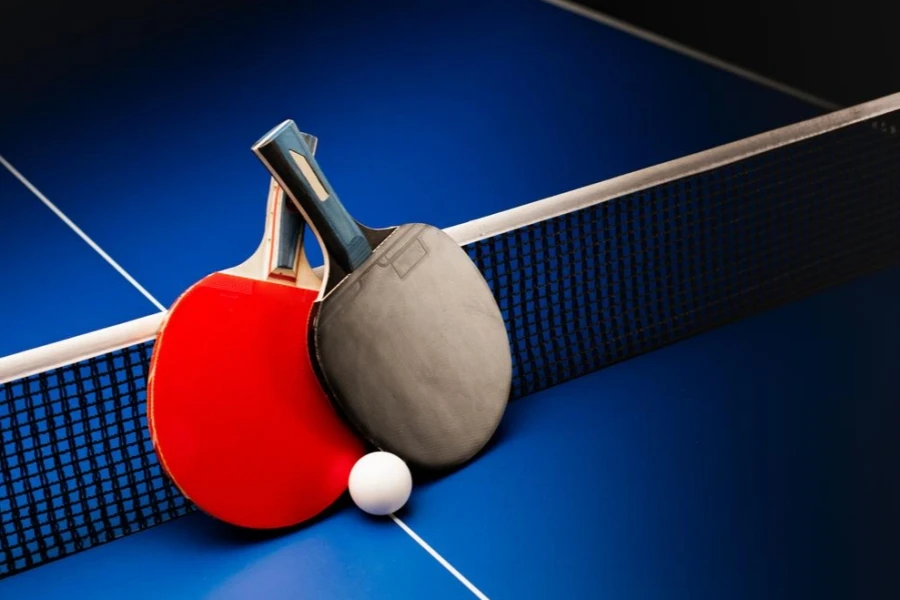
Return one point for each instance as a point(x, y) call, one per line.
point(756, 460)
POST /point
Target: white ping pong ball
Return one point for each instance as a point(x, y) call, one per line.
point(380, 483)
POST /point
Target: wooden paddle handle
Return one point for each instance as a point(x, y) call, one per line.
point(289, 230)
point(290, 161)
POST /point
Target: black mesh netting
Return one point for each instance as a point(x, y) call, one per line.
point(76, 466)
point(579, 292)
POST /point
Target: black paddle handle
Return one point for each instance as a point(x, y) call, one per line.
point(290, 161)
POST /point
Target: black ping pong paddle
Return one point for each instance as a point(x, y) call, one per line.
point(409, 339)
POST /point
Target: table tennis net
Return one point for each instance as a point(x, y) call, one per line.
point(611, 272)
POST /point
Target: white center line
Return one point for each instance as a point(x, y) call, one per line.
point(443, 561)
point(81, 233)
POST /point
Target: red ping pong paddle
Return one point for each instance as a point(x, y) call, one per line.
point(236, 412)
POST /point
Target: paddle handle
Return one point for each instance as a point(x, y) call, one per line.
point(289, 159)
point(289, 229)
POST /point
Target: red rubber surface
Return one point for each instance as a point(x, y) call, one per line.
point(237, 414)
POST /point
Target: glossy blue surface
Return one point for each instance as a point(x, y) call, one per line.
point(52, 284)
point(347, 556)
point(757, 460)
